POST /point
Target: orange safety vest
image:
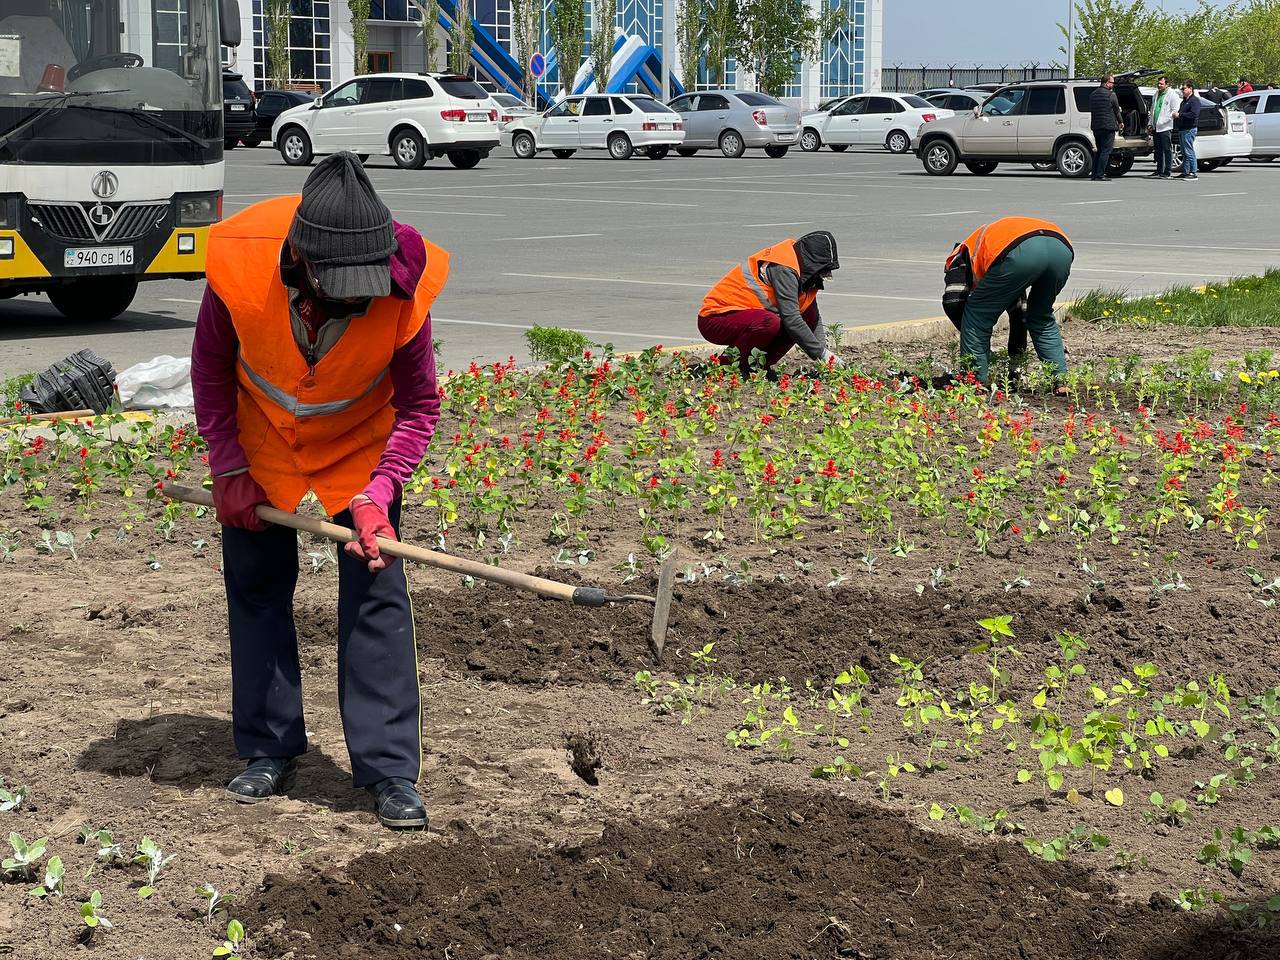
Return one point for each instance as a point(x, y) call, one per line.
point(324, 428)
point(744, 288)
point(990, 244)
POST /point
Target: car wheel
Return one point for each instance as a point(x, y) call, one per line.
point(1209, 165)
point(230, 143)
point(252, 141)
point(295, 147)
point(686, 151)
point(620, 147)
point(1074, 159)
point(731, 144)
point(94, 299)
point(464, 159)
point(406, 150)
point(1044, 166)
point(657, 153)
point(939, 158)
point(839, 147)
point(810, 141)
point(897, 142)
point(1118, 166)
point(981, 168)
point(776, 150)
point(1175, 157)
point(523, 147)
point(563, 154)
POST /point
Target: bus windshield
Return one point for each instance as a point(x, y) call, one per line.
point(143, 75)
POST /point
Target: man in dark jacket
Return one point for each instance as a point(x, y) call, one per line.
point(1187, 122)
point(1105, 119)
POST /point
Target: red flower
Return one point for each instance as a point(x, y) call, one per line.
point(765, 419)
point(1173, 483)
point(979, 474)
point(770, 473)
point(717, 458)
point(830, 470)
point(575, 478)
point(1062, 478)
point(1016, 529)
point(653, 483)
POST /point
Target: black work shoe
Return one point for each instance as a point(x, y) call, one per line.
point(397, 804)
point(264, 777)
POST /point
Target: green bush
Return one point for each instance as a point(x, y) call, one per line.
point(555, 345)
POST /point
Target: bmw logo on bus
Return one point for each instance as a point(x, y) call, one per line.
point(105, 184)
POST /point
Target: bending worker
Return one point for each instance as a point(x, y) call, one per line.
point(769, 302)
point(990, 272)
point(313, 371)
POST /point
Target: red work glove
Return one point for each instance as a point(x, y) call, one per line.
point(371, 522)
point(234, 498)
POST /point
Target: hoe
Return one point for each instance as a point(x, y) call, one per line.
point(583, 596)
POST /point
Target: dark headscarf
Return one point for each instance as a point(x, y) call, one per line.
point(817, 254)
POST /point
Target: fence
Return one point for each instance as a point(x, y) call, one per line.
point(898, 79)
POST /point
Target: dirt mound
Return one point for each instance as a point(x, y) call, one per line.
point(788, 875)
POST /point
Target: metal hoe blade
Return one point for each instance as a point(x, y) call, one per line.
point(662, 605)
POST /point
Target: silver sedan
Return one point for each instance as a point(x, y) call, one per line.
point(732, 121)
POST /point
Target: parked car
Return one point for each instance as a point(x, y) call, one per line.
point(238, 118)
point(410, 116)
point(984, 87)
point(272, 103)
point(1222, 135)
point(1040, 121)
point(510, 109)
point(957, 101)
point(620, 123)
point(933, 92)
point(732, 121)
point(1261, 111)
point(890, 119)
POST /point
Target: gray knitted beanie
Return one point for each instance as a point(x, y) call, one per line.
point(344, 230)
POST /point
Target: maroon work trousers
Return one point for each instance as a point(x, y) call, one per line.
point(752, 330)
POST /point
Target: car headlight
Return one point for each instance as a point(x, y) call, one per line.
point(199, 209)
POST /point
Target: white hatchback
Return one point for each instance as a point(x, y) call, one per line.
point(888, 119)
point(620, 123)
point(413, 117)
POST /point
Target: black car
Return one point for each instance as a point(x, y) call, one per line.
point(272, 103)
point(238, 117)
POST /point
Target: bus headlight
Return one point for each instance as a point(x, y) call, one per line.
point(199, 209)
point(6, 248)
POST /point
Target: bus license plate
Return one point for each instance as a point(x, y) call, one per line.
point(97, 257)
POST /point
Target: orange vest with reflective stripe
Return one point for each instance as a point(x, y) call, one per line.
point(990, 244)
point(324, 428)
point(743, 288)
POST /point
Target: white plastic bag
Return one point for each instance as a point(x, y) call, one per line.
point(160, 382)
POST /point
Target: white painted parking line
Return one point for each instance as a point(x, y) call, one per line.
point(949, 213)
point(1089, 203)
point(629, 203)
point(1224, 194)
point(178, 300)
point(1162, 245)
point(700, 286)
point(595, 333)
point(449, 213)
point(786, 223)
point(550, 236)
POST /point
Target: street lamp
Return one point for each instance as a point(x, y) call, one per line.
point(1071, 38)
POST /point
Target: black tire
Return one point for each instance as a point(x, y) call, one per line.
point(620, 147)
point(230, 143)
point(839, 147)
point(1074, 159)
point(563, 154)
point(657, 153)
point(407, 150)
point(252, 141)
point(1118, 166)
point(981, 168)
point(731, 144)
point(1210, 165)
point(524, 146)
point(898, 141)
point(295, 147)
point(94, 299)
point(686, 151)
point(810, 140)
point(776, 150)
point(464, 159)
point(939, 157)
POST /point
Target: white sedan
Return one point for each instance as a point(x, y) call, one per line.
point(887, 119)
point(620, 123)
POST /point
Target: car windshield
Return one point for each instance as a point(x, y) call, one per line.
point(916, 102)
point(1004, 103)
point(758, 100)
point(464, 88)
point(649, 105)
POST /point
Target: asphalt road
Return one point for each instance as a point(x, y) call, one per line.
point(624, 252)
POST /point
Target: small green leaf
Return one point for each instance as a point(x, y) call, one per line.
point(1115, 797)
point(936, 812)
point(145, 892)
point(1157, 798)
point(235, 931)
point(1024, 776)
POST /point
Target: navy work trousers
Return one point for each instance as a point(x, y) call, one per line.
point(378, 692)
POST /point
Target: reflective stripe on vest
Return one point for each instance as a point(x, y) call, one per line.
point(290, 404)
point(766, 301)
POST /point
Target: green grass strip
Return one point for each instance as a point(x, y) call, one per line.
point(1242, 302)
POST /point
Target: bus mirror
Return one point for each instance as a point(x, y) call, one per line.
point(229, 16)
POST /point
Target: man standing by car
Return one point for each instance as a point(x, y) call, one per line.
point(1187, 122)
point(769, 302)
point(1105, 119)
point(313, 370)
point(1243, 87)
point(1163, 109)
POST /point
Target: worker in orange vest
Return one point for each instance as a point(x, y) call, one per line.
point(313, 371)
point(769, 302)
point(991, 271)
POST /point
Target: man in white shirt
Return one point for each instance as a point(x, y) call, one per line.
point(1163, 107)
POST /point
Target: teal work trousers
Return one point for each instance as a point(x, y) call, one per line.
point(1040, 266)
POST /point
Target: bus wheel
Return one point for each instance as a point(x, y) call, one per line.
point(94, 299)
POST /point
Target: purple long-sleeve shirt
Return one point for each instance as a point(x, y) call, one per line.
point(413, 383)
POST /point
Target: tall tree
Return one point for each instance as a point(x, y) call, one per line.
point(525, 38)
point(773, 34)
point(360, 33)
point(689, 38)
point(567, 22)
point(277, 13)
point(604, 16)
point(430, 32)
point(721, 32)
point(460, 39)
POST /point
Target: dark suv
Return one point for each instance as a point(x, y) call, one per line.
point(272, 103)
point(238, 116)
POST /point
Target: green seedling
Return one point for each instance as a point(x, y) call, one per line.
point(1079, 839)
point(109, 852)
point(1232, 850)
point(153, 859)
point(11, 800)
point(1174, 812)
point(1197, 898)
point(51, 885)
point(92, 915)
point(1210, 791)
point(231, 946)
point(216, 900)
point(918, 708)
point(894, 766)
point(997, 628)
point(837, 768)
point(22, 865)
point(847, 702)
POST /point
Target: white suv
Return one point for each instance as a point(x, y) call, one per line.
point(413, 117)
